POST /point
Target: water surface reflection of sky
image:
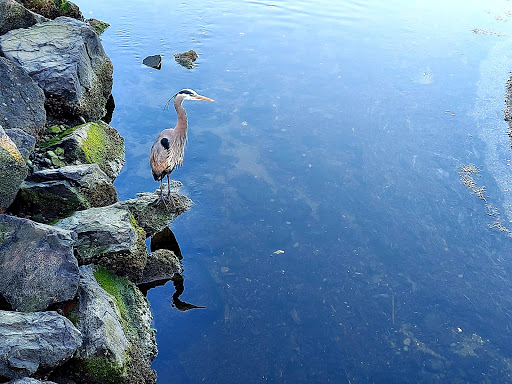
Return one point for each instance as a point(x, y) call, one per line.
point(337, 136)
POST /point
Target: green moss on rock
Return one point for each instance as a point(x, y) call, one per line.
point(104, 371)
point(58, 138)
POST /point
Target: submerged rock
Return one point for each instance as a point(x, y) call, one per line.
point(154, 61)
point(153, 215)
point(21, 99)
point(53, 194)
point(13, 170)
point(186, 59)
point(66, 59)
point(115, 321)
point(35, 343)
point(95, 142)
point(13, 15)
point(37, 264)
point(110, 237)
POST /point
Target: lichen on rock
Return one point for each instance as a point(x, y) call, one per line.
point(94, 142)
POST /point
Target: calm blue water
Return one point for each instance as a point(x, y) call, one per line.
point(337, 135)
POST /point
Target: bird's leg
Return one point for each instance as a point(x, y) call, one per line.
point(170, 197)
point(161, 198)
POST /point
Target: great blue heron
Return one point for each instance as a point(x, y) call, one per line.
point(169, 148)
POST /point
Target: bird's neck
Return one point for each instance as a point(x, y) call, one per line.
point(181, 126)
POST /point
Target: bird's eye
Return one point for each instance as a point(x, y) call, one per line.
point(186, 92)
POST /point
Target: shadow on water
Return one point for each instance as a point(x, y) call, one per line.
point(165, 239)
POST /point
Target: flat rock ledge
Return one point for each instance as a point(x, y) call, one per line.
point(153, 215)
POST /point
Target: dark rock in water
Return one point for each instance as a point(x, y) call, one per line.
point(95, 142)
point(153, 215)
point(13, 15)
point(21, 99)
point(37, 264)
point(161, 266)
point(13, 170)
point(98, 25)
point(35, 343)
point(53, 194)
point(66, 59)
point(154, 61)
point(186, 59)
point(24, 142)
point(110, 237)
point(115, 321)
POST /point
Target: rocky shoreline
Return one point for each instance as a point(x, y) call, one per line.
point(72, 257)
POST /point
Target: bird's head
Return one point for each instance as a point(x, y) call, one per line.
point(189, 94)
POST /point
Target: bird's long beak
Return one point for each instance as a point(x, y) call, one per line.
point(199, 97)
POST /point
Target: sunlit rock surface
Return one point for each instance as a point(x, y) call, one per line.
point(66, 59)
point(13, 170)
point(153, 214)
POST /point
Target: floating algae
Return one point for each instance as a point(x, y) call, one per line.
point(467, 175)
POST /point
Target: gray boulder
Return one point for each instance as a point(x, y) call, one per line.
point(13, 15)
point(110, 237)
point(99, 321)
point(66, 59)
point(21, 99)
point(152, 214)
point(24, 142)
point(35, 343)
point(28, 380)
point(115, 321)
point(37, 265)
point(13, 170)
point(95, 142)
point(161, 266)
point(52, 194)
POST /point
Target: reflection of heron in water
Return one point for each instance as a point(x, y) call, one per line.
point(177, 279)
point(169, 148)
point(165, 239)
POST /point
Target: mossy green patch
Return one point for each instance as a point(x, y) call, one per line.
point(114, 286)
point(104, 371)
point(99, 147)
point(58, 138)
